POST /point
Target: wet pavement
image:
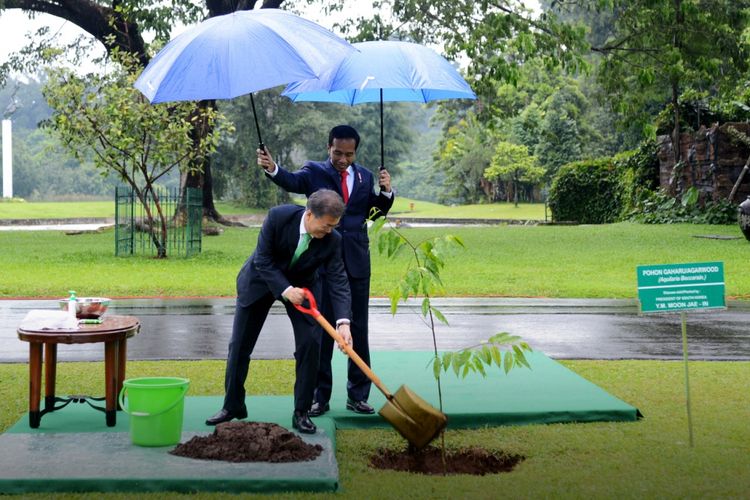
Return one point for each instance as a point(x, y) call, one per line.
point(199, 328)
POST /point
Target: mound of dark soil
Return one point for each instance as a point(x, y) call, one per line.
point(475, 461)
point(249, 442)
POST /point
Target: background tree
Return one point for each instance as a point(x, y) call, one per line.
point(463, 155)
point(513, 163)
point(103, 114)
point(657, 51)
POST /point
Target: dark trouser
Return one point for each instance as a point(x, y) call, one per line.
point(248, 322)
point(358, 385)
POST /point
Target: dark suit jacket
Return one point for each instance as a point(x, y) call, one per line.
point(321, 175)
point(267, 269)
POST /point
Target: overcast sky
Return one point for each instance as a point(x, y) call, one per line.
point(14, 25)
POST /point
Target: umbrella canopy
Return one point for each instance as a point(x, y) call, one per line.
point(240, 53)
point(385, 71)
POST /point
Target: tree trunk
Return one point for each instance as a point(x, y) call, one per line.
point(679, 21)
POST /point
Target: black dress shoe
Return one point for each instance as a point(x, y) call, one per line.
point(318, 409)
point(225, 416)
point(359, 407)
point(301, 421)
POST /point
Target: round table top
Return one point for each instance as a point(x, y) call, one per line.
point(111, 328)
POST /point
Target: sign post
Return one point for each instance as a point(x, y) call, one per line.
point(670, 288)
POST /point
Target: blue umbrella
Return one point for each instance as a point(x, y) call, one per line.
point(385, 71)
point(240, 53)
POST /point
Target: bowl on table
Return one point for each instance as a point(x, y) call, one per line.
point(87, 307)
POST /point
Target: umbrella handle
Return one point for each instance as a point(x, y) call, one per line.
point(261, 146)
point(382, 142)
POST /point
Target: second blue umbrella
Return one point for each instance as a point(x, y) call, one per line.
point(385, 71)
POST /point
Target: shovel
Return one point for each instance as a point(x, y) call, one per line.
point(415, 419)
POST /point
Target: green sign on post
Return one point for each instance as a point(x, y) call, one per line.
point(680, 287)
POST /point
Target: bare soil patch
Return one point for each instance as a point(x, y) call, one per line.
point(249, 442)
point(475, 461)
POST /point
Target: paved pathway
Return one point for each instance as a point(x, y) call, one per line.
point(562, 328)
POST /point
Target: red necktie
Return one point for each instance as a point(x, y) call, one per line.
point(344, 188)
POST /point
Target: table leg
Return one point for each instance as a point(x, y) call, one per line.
point(110, 375)
point(122, 353)
point(50, 375)
point(35, 383)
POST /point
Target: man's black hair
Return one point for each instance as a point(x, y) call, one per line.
point(343, 132)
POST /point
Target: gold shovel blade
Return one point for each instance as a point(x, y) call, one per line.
point(413, 417)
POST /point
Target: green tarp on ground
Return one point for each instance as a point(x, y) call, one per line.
point(73, 450)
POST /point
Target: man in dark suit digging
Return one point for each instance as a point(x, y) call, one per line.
point(293, 244)
point(357, 187)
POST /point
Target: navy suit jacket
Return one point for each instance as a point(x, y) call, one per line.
point(268, 270)
point(322, 175)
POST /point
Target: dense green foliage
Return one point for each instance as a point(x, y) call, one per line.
point(587, 192)
point(660, 208)
point(626, 187)
point(687, 54)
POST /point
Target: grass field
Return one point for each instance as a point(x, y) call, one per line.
point(505, 260)
point(650, 458)
point(403, 207)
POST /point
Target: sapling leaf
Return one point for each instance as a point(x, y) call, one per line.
point(439, 316)
point(436, 365)
point(508, 362)
point(447, 357)
point(486, 355)
point(479, 365)
point(497, 356)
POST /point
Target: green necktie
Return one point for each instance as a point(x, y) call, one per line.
point(304, 242)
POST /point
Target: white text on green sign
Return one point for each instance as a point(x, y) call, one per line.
point(677, 287)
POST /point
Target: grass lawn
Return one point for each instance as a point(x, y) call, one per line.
point(505, 260)
point(401, 208)
point(405, 207)
point(72, 210)
point(645, 459)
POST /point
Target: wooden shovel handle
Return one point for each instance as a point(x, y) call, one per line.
point(313, 311)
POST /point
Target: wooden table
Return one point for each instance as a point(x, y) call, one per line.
point(114, 332)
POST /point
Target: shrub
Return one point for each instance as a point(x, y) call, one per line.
point(588, 192)
point(639, 174)
point(661, 208)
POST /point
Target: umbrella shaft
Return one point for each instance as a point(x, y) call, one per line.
point(261, 146)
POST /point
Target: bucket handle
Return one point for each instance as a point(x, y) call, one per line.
point(121, 400)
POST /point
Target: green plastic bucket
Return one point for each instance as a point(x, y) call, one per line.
point(155, 406)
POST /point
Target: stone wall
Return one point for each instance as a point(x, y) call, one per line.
point(712, 161)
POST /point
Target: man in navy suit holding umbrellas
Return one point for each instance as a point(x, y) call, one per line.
point(293, 244)
point(356, 185)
